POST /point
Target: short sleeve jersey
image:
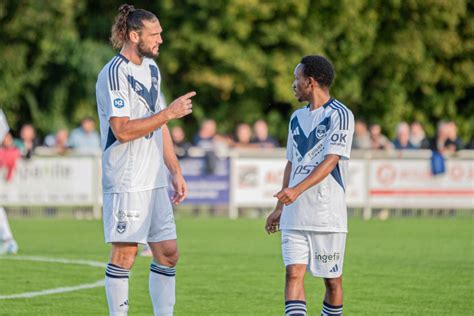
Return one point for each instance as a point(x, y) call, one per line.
point(125, 89)
point(313, 135)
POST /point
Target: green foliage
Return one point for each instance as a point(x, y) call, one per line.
point(395, 60)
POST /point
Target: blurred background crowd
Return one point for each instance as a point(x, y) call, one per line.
point(85, 139)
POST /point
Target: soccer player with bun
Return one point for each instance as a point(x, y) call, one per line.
point(311, 210)
point(137, 146)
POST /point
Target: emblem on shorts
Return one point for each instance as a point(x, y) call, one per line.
point(121, 215)
point(121, 227)
point(334, 269)
point(320, 131)
point(119, 103)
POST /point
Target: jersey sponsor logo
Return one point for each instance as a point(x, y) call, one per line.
point(339, 137)
point(119, 103)
point(121, 215)
point(126, 216)
point(304, 169)
point(325, 258)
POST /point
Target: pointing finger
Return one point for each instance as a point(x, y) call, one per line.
point(189, 95)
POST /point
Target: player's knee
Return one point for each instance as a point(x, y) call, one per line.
point(294, 273)
point(169, 258)
point(334, 284)
point(124, 257)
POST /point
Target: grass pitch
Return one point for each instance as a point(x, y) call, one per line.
point(404, 266)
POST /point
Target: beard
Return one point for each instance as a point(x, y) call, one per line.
point(143, 51)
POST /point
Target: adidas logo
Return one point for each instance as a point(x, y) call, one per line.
point(124, 303)
point(296, 131)
point(334, 269)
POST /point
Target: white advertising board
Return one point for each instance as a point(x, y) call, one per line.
point(258, 179)
point(410, 183)
point(356, 186)
point(51, 181)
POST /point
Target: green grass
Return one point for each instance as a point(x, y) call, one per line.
point(396, 267)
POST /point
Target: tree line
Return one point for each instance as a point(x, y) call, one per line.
point(394, 59)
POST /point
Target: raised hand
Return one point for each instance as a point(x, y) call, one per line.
point(182, 106)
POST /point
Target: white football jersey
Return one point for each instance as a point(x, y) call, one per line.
point(125, 89)
point(313, 135)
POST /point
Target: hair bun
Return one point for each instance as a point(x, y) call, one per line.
point(125, 9)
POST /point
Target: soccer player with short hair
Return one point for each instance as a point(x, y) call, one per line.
point(136, 146)
point(311, 209)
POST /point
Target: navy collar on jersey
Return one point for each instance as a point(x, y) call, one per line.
point(325, 105)
point(123, 57)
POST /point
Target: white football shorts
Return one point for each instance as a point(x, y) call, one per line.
point(321, 252)
point(138, 217)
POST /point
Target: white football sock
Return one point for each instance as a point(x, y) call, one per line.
point(5, 231)
point(162, 289)
point(116, 289)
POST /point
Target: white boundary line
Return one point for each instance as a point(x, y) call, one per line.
point(59, 289)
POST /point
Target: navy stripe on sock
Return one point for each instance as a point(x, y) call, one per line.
point(331, 310)
point(295, 301)
point(295, 308)
point(114, 271)
point(167, 271)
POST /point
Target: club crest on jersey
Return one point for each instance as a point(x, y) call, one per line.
point(119, 103)
point(154, 82)
point(121, 227)
point(320, 131)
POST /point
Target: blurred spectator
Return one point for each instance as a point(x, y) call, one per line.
point(61, 146)
point(9, 155)
point(437, 143)
point(206, 134)
point(261, 136)
point(85, 138)
point(361, 136)
point(453, 143)
point(378, 140)
point(181, 146)
point(446, 140)
point(418, 137)
point(402, 141)
point(205, 140)
point(243, 135)
point(27, 142)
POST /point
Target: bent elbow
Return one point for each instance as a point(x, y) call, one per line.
point(122, 138)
